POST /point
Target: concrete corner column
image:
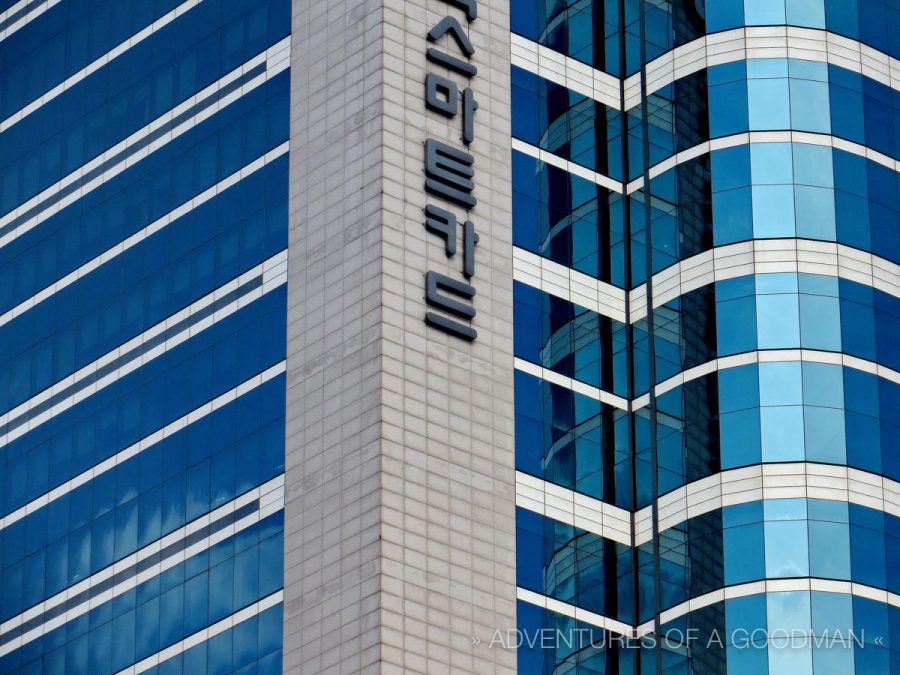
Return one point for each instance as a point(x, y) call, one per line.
point(400, 495)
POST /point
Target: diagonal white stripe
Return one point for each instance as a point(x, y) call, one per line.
point(142, 445)
point(273, 273)
point(151, 229)
point(271, 500)
point(276, 59)
point(98, 63)
point(205, 634)
point(24, 19)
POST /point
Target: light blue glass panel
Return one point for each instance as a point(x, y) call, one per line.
point(795, 659)
point(831, 657)
point(813, 165)
point(761, 69)
point(764, 12)
point(809, 13)
point(829, 550)
point(810, 109)
point(780, 384)
point(787, 550)
point(781, 429)
point(785, 509)
point(779, 282)
point(778, 321)
point(787, 610)
point(820, 322)
point(771, 163)
point(823, 384)
point(768, 101)
point(773, 211)
point(831, 612)
point(815, 212)
point(825, 435)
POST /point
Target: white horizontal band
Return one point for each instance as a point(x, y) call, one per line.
point(804, 584)
point(568, 284)
point(768, 356)
point(577, 386)
point(151, 229)
point(205, 634)
point(272, 274)
point(783, 480)
point(571, 167)
point(271, 500)
point(757, 256)
point(764, 42)
point(738, 44)
point(764, 256)
point(720, 143)
point(577, 613)
point(97, 63)
point(566, 71)
point(753, 137)
point(275, 59)
point(573, 508)
point(807, 584)
point(789, 480)
point(140, 446)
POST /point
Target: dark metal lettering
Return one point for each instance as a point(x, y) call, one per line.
point(441, 95)
point(470, 240)
point(450, 326)
point(443, 223)
point(450, 25)
point(449, 173)
point(470, 105)
point(434, 284)
point(451, 62)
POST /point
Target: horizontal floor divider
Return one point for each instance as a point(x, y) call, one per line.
point(139, 145)
point(145, 563)
point(205, 634)
point(138, 351)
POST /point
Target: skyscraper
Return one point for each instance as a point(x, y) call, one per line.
point(143, 257)
point(446, 336)
point(706, 304)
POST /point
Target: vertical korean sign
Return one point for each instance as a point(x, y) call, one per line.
point(449, 173)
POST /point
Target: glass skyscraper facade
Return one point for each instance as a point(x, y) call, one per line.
point(650, 426)
point(706, 222)
point(143, 187)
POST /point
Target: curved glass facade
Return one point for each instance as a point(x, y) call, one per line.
point(707, 321)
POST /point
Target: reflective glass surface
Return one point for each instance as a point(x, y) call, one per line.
point(141, 343)
point(571, 440)
point(585, 30)
point(834, 404)
point(567, 219)
point(572, 565)
point(568, 124)
point(773, 412)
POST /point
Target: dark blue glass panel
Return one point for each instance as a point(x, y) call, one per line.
point(140, 85)
point(138, 196)
point(216, 360)
point(132, 615)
